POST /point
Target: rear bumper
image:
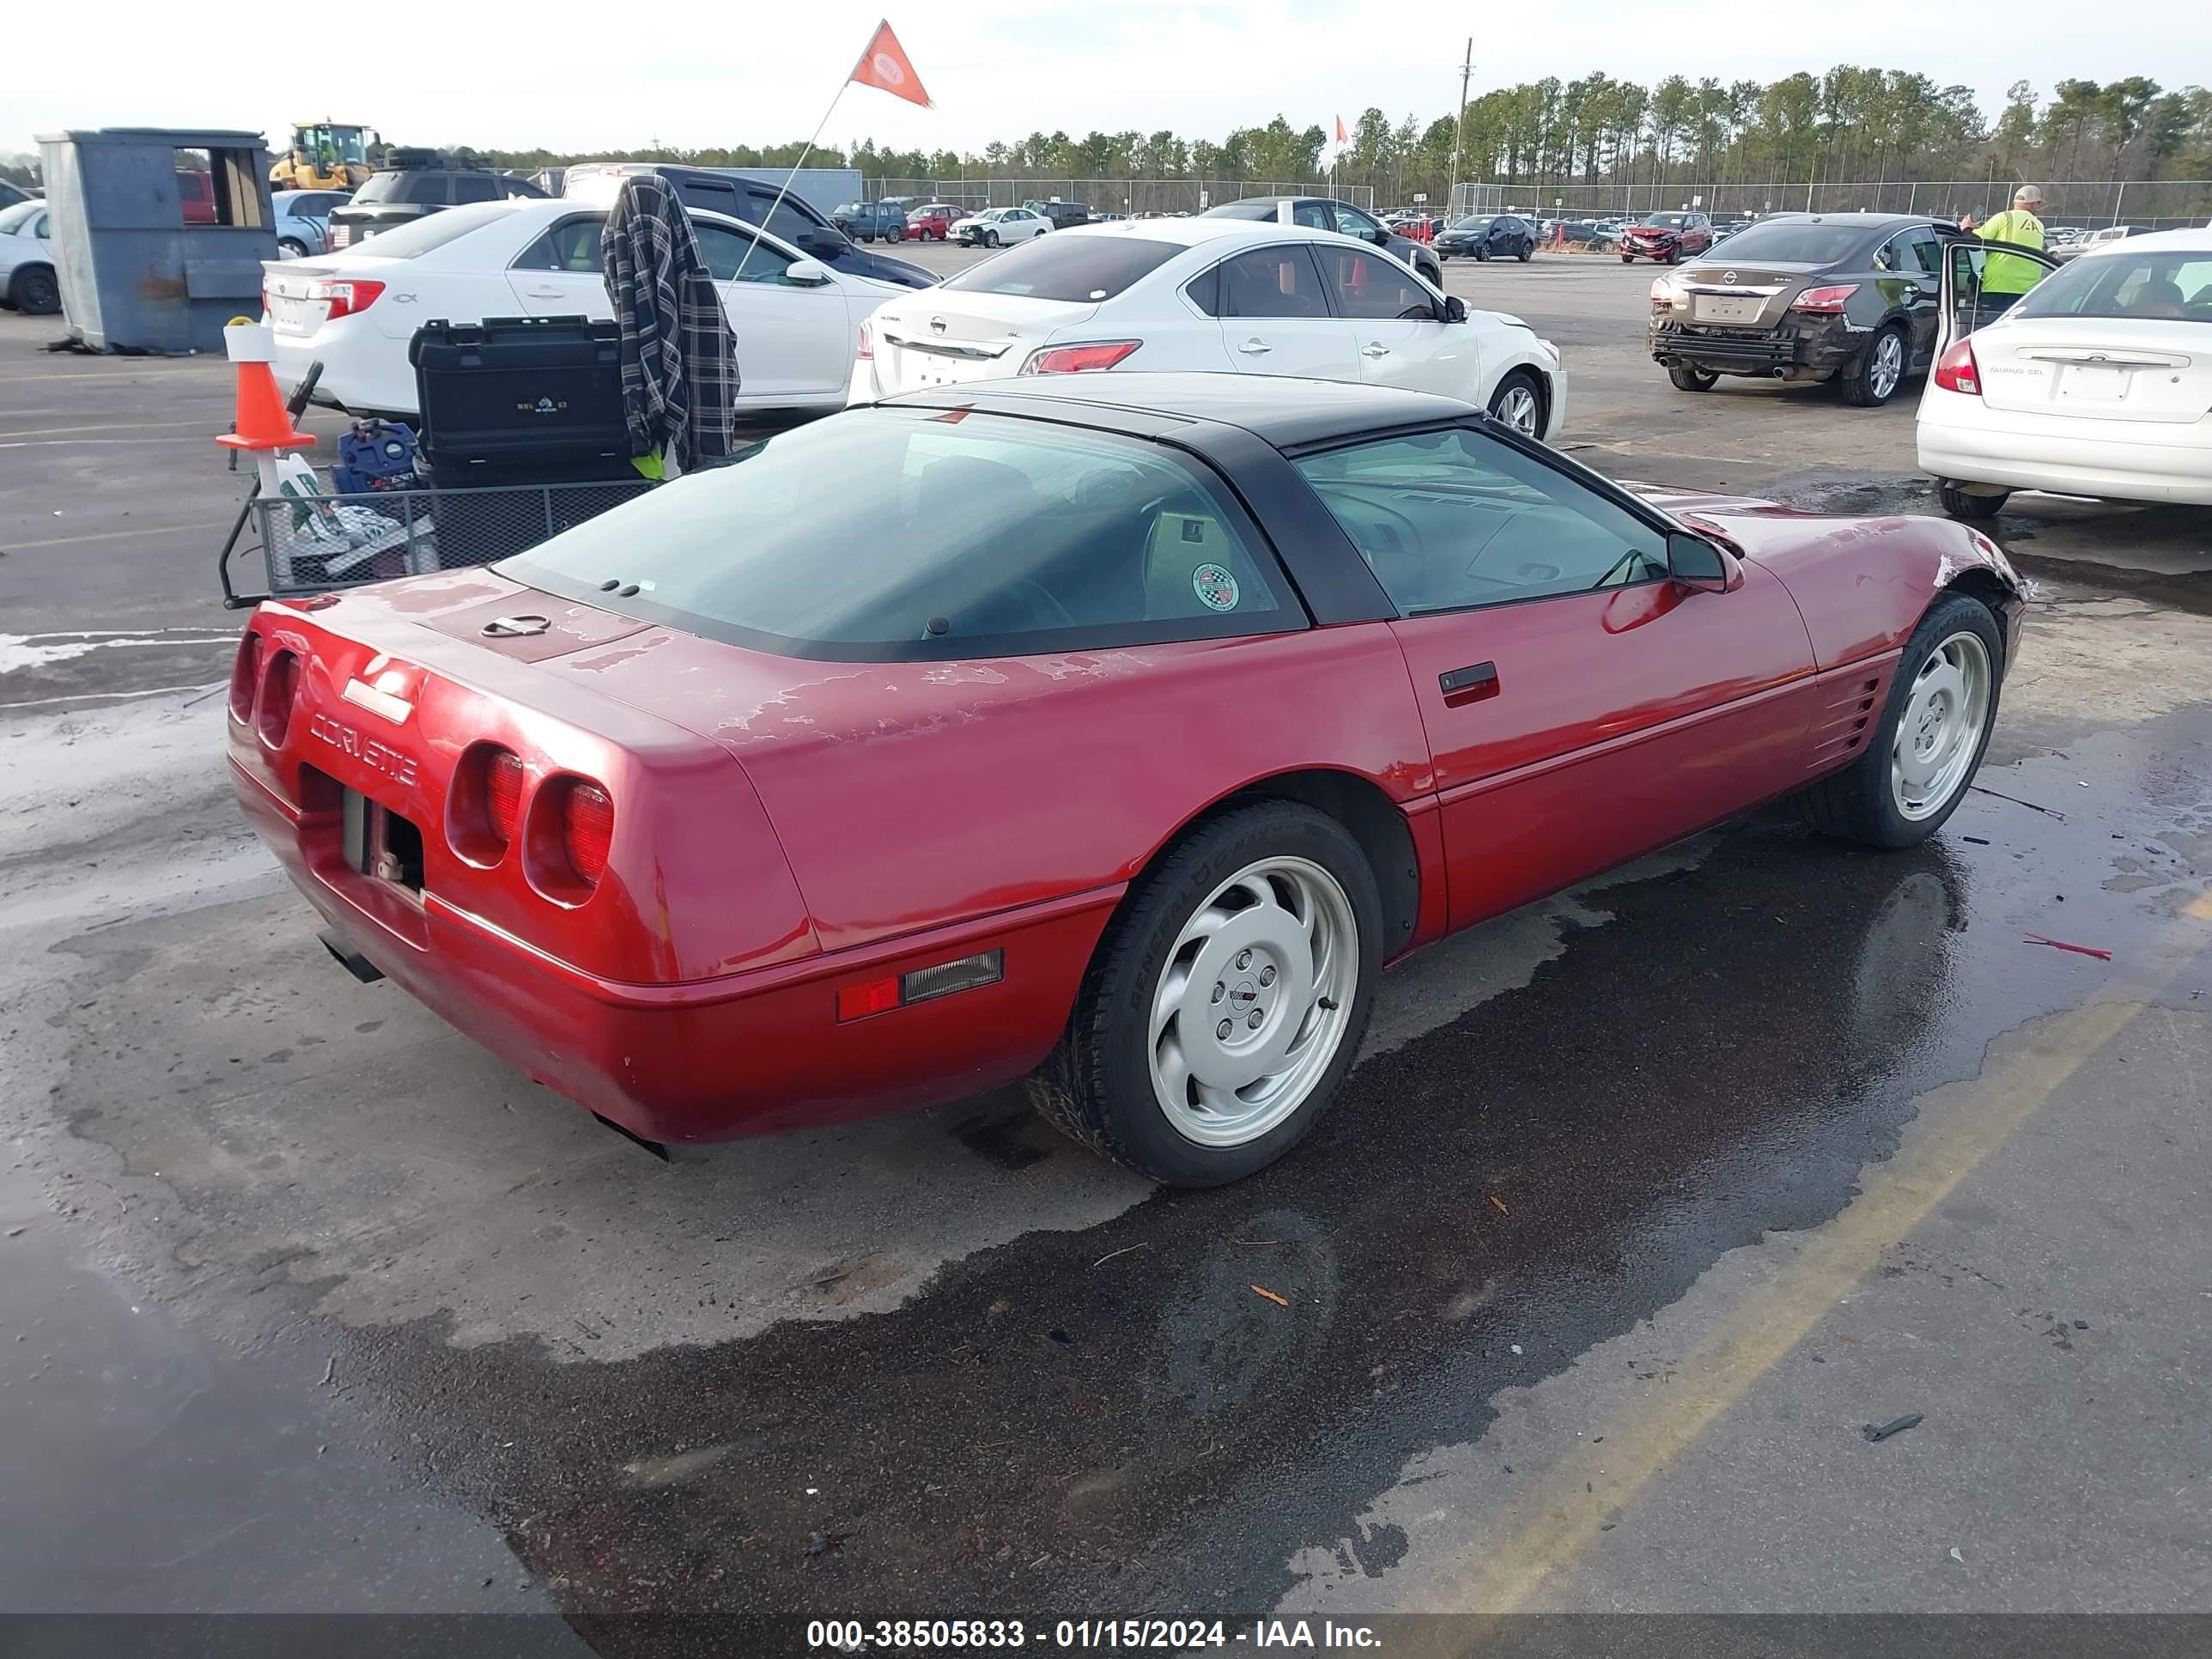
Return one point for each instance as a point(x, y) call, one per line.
point(746, 1053)
point(1800, 347)
point(1987, 446)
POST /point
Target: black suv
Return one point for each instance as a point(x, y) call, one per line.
point(1320, 213)
point(1851, 297)
point(416, 183)
point(800, 223)
point(1062, 214)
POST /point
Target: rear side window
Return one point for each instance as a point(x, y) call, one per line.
point(950, 535)
point(1077, 268)
point(475, 187)
point(1272, 282)
point(573, 245)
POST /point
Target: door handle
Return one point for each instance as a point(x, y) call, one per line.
point(1469, 685)
point(542, 293)
point(1375, 348)
point(1254, 347)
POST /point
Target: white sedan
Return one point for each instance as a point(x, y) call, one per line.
point(1000, 226)
point(1229, 295)
point(2097, 382)
point(355, 312)
point(27, 258)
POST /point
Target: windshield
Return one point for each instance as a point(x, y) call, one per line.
point(1078, 268)
point(2175, 286)
point(889, 534)
point(411, 237)
point(1665, 220)
point(1796, 241)
point(16, 220)
point(1474, 221)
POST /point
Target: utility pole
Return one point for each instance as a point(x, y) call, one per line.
point(1459, 127)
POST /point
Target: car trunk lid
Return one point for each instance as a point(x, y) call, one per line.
point(374, 716)
point(926, 341)
point(2099, 369)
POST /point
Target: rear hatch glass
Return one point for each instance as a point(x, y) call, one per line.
point(949, 534)
point(1085, 270)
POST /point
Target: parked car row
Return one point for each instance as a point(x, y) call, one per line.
point(1223, 294)
point(355, 312)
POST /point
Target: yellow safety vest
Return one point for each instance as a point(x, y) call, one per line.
point(2002, 273)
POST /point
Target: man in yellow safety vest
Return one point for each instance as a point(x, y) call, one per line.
point(2005, 277)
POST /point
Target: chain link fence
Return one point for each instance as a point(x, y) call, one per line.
point(2159, 204)
point(311, 545)
point(1130, 195)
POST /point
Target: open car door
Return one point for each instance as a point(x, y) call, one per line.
point(1962, 309)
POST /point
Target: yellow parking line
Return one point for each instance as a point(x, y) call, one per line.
point(113, 535)
point(1548, 1527)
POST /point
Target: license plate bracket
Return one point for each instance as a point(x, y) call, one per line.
point(380, 843)
point(1726, 308)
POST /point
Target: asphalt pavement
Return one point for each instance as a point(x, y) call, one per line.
point(1642, 1204)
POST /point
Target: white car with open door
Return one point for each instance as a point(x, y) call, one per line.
point(1231, 296)
point(2097, 382)
point(355, 313)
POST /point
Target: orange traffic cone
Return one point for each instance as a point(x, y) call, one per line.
point(262, 423)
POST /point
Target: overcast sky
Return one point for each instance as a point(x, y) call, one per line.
point(571, 75)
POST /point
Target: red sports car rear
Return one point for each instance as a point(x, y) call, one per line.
point(1111, 732)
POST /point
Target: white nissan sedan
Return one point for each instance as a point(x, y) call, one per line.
point(356, 312)
point(1229, 295)
point(2097, 382)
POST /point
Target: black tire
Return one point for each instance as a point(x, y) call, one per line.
point(1628, 259)
point(1482, 252)
point(1961, 505)
point(1856, 376)
point(34, 292)
point(1528, 253)
point(1857, 803)
point(1096, 1086)
point(1687, 377)
point(1525, 380)
point(990, 238)
point(1444, 258)
point(1674, 256)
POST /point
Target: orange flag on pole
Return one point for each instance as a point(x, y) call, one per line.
point(1340, 129)
point(884, 64)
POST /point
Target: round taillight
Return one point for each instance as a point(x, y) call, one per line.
point(587, 830)
point(279, 682)
point(485, 804)
point(503, 780)
point(243, 672)
point(572, 828)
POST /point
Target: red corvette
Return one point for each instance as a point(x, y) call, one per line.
point(1110, 731)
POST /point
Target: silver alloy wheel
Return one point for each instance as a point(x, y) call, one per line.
point(1252, 1004)
point(1518, 408)
point(1888, 365)
point(1940, 732)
